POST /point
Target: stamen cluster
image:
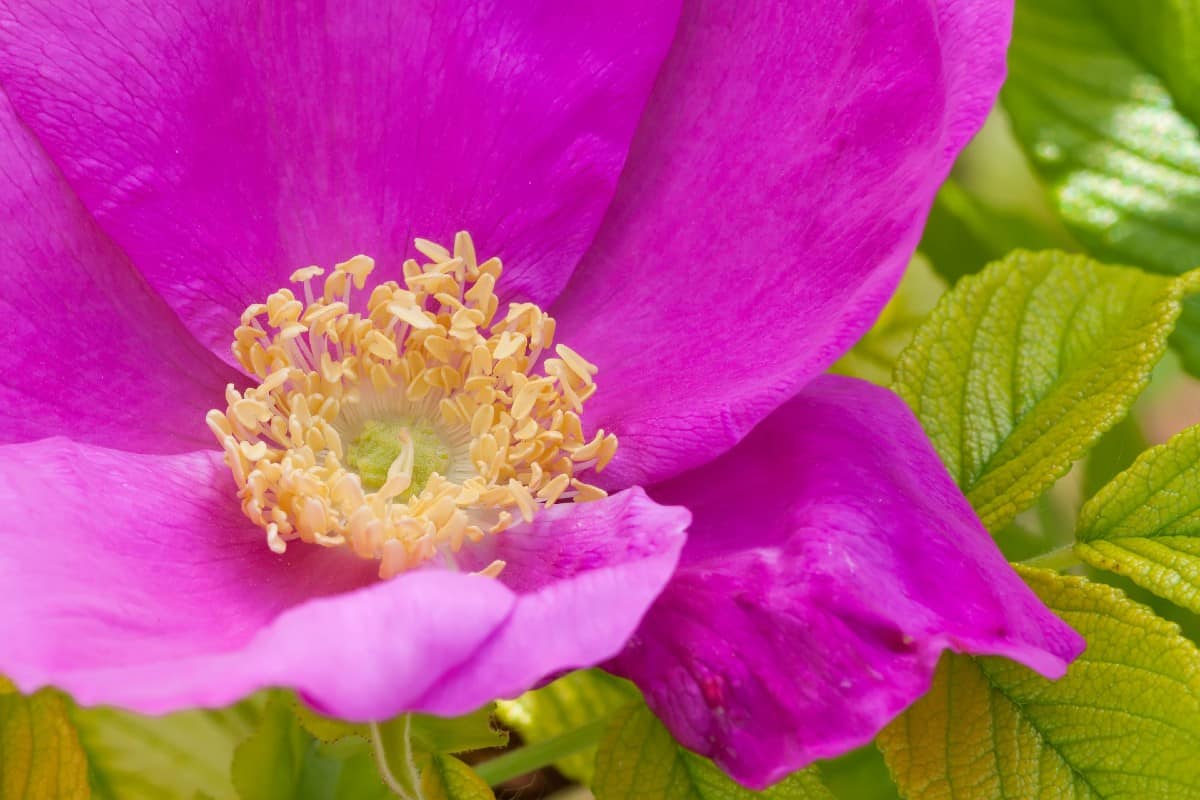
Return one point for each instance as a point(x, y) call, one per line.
point(430, 352)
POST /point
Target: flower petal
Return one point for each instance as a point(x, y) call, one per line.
point(86, 348)
point(134, 580)
point(224, 145)
point(832, 559)
point(774, 193)
point(585, 575)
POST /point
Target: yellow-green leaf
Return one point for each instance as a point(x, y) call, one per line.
point(135, 757)
point(1123, 723)
point(446, 778)
point(639, 760)
point(1145, 523)
point(1021, 368)
point(40, 754)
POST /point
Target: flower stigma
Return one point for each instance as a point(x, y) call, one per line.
point(407, 427)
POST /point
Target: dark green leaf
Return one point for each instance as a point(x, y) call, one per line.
point(1165, 36)
point(1115, 146)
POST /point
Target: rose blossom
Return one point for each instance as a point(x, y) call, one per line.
point(713, 205)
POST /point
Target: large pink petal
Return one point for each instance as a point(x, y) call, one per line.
point(831, 561)
point(86, 348)
point(134, 580)
point(225, 144)
point(585, 575)
point(774, 192)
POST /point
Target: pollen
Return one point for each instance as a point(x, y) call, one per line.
point(408, 421)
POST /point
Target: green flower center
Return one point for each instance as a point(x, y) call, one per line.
point(377, 447)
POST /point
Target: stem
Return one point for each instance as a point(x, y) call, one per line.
point(533, 757)
point(385, 769)
point(1060, 558)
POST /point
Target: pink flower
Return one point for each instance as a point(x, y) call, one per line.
point(713, 206)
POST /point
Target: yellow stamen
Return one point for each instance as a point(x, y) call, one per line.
point(408, 426)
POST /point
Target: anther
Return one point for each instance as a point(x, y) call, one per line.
point(407, 427)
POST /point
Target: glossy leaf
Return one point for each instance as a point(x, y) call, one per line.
point(1165, 36)
point(1124, 722)
point(40, 754)
point(638, 758)
point(174, 756)
point(1021, 368)
point(571, 702)
point(1113, 142)
point(1145, 524)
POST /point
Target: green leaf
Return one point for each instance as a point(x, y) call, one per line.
point(571, 702)
point(1124, 722)
point(874, 356)
point(446, 778)
point(327, 729)
point(268, 764)
point(356, 773)
point(1021, 368)
point(859, 775)
point(40, 754)
point(1166, 37)
point(131, 757)
point(474, 731)
point(639, 758)
point(1117, 149)
point(1145, 524)
point(281, 761)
